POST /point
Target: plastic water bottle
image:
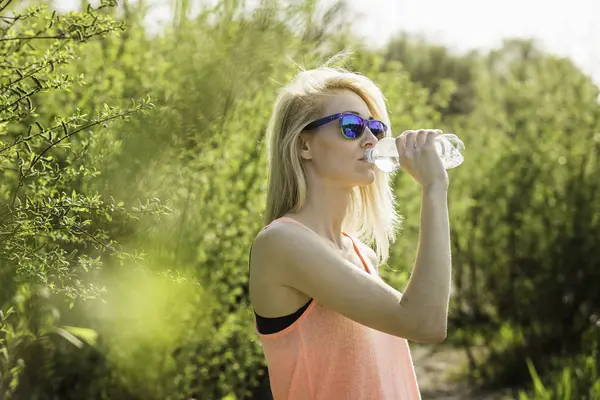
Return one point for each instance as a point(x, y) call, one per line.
point(385, 154)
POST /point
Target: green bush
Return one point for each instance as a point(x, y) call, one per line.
point(525, 228)
point(52, 231)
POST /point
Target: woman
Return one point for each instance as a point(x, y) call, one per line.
point(330, 328)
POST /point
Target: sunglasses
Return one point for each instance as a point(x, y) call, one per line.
point(353, 126)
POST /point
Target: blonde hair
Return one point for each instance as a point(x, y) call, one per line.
point(371, 215)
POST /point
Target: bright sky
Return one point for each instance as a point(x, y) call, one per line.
point(564, 27)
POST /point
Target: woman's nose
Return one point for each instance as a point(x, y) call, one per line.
point(369, 139)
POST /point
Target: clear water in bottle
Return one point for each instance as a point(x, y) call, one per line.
point(385, 155)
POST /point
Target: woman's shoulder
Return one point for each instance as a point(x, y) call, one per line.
point(280, 226)
point(278, 236)
point(270, 250)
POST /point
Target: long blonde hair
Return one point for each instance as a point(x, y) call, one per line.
point(371, 215)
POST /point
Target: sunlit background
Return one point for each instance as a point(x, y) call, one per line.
point(566, 28)
point(133, 173)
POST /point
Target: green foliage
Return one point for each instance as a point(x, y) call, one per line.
point(433, 66)
point(525, 225)
point(578, 379)
point(52, 232)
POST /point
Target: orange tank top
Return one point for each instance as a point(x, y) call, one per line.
point(324, 355)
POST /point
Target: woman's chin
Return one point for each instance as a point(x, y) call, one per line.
point(366, 178)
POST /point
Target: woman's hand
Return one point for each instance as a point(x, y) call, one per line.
point(420, 159)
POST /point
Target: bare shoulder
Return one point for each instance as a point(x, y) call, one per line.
point(278, 233)
point(270, 256)
point(273, 245)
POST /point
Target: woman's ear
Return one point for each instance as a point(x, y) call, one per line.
point(304, 146)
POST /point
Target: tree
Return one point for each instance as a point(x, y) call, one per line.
point(51, 230)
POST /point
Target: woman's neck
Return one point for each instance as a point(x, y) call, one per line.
point(324, 211)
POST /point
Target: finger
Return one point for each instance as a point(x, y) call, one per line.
point(431, 137)
point(401, 143)
point(422, 137)
point(401, 140)
point(410, 140)
point(403, 135)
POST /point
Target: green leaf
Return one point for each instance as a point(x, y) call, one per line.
point(71, 338)
point(37, 81)
point(88, 335)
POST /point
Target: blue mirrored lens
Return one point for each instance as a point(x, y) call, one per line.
point(377, 127)
point(352, 126)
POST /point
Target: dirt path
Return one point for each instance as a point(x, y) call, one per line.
point(437, 367)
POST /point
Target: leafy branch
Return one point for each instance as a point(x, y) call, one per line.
point(106, 117)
